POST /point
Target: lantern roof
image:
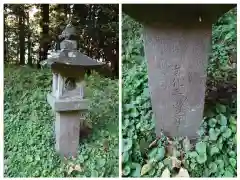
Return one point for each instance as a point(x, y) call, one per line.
point(72, 58)
point(69, 55)
point(149, 14)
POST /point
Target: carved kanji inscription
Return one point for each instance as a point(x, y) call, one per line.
point(177, 59)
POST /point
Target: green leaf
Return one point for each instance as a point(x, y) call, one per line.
point(232, 120)
point(193, 154)
point(213, 135)
point(213, 167)
point(223, 120)
point(126, 170)
point(212, 122)
point(29, 158)
point(101, 163)
point(201, 147)
point(160, 165)
point(227, 133)
point(223, 128)
point(220, 163)
point(152, 153)
point(232, 154)
point(37, 157)
point(134, 113)
point(228, 36)
point(233, 162)
point(136, 170)
point(146, 92)
point(81, 159)
point(127, 144)
point(167, 162)
point(94, 173)
point(125, 157)
point(160, 153)
point(214, 150)
point(220, 108)
point(201, 158)
point(128, 106)
point(152, 172)
point(228, 173)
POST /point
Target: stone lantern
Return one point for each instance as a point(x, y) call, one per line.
point(177, 40)
point(67, 97)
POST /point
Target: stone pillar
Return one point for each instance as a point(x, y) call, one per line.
point(54, 83)
point(67, 128)
point(177, 60)
point(81, 89)
point(60, 86)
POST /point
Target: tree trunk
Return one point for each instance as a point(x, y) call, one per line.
point(21, 34)
point(29, 42)
point(44, 40)
point(5, 39)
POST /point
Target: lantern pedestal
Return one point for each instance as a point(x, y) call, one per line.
point(69, 114)
point(68, 104)
point(67, 127)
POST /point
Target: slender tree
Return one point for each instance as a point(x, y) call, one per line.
point(44, 37)
point(29, 44)
point(21, 25)
point(5, 38)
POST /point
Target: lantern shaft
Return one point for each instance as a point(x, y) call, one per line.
point(177, 61)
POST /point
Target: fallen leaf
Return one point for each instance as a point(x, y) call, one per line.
point(73, 158)
point(106, 145)
point(88, 124)
point(166, 173)
point(145, 169)
point(175, 162)
point(182, 173)
point(78, 168)
point(182, 155)
point(171, 149)
point(186, 144)
point(70, 170)
point(70, 164)
point(154, 143)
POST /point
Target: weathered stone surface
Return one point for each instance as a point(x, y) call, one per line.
point(177, 39)
point(67, 127)
point(70, 103)
point(177, 59)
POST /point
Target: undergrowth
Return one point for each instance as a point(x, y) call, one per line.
point(214, 154)
point(28, 128)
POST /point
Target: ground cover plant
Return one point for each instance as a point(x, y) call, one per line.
point(214, 153)
point(28, 128)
